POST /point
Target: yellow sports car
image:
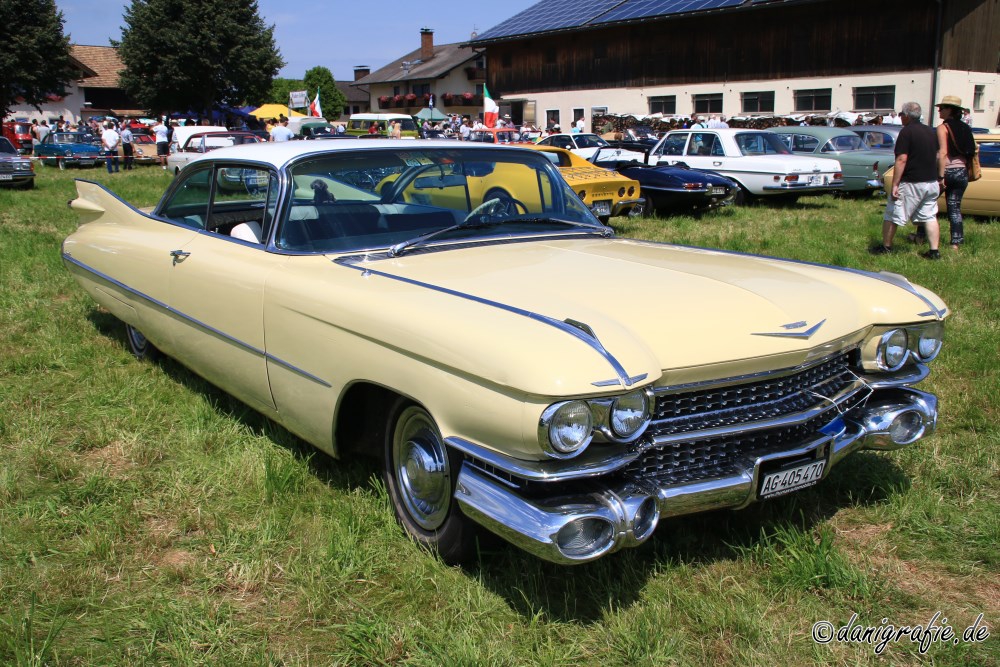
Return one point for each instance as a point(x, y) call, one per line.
point(607, 192)
point(510, 364)
point(981, 197)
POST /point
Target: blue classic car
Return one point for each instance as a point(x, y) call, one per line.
point(673, 188)
point(67, 149)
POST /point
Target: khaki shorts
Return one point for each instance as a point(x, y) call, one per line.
point(917, 202)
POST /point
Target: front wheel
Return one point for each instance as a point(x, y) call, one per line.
point(139, 345)
point(420, 475)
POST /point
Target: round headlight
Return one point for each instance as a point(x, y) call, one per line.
point(929, 343)
point(893, 350)
point(629, 414)
point(570, 426)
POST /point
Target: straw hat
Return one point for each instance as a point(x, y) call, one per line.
point(950, 101)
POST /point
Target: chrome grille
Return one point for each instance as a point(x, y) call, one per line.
point(691, 459)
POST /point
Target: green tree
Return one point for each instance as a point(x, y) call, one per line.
point(331, 99)
point(191, 54)
point(35, 59)
point(280, 88)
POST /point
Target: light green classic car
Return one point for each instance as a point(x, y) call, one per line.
point(862, 168)
point(456, 311)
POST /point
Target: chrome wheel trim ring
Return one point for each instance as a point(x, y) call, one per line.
point(420, 463)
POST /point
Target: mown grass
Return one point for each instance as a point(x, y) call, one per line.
point(147, 518)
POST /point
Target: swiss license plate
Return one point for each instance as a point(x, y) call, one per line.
point(6, 177)
point(791, 479)
point(718, 190)
point(601, 207)
point(85, 163)
point(816, 180)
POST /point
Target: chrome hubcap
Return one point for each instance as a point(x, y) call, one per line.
point(421, 465)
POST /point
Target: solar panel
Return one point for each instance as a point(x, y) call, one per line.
point(637, 9)
point(550, 15)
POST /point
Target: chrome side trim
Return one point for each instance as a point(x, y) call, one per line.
point(623, 377)
point(597, 460)
point(198, 323)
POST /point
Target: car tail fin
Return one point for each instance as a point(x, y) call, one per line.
point(94, 201)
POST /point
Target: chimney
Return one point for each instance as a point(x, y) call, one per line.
point(426, 44)
point(361, 71)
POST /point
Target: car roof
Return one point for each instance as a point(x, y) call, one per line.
point(814, 130)
point(889, 129)
point(278, 154)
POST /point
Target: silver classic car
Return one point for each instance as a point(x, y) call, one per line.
point(434, 305)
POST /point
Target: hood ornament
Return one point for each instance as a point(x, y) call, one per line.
point(790, 330)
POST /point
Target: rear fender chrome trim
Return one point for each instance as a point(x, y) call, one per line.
point(198, 323)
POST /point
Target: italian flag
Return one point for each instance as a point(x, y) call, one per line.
point(490, 109)
point(314, 108)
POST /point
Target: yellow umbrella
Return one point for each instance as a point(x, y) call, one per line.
point(273, 111)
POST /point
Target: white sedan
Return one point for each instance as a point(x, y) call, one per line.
point(759, 161)
point(585, 145)
point(198, 144)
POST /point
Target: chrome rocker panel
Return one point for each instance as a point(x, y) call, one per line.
point(534, 525)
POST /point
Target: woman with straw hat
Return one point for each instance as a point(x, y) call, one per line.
point(956, 147)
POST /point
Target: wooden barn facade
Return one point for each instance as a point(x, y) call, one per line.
point(760, 57)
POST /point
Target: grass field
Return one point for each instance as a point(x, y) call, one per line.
point(148, 519)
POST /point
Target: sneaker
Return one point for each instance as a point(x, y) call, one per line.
point(931, 254)
point(880, 250)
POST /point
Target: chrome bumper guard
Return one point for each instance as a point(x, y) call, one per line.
point(581, 527)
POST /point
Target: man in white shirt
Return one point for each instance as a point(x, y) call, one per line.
point(464, 130)
point(281, 132)
point(162, 143)
point(110, 141)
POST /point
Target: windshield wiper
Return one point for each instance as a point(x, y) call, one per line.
point(487, 221)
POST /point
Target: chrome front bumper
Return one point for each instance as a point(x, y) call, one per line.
point(582, 526)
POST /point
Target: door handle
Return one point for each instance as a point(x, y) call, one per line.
point(179, 255)
point(716, 164)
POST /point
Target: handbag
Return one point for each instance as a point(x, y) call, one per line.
point(973, 168)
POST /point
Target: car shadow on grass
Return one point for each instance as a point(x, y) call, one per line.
point(585, 593)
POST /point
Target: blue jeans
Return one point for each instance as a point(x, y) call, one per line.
point(956, 180)
point(112, 156)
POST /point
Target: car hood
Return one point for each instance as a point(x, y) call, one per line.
point(652, 308)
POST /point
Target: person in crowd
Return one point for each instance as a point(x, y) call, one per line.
point(395, 130)
point(915, 187)
point(696, 123)
point(110, 141)
point(128, 150)
point(465, 129)
point(281, 132)
point(966, 116)
point(956, 147)
point(43, 130)
point(162, 142)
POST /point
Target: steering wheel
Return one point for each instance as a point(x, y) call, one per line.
point(502, 204)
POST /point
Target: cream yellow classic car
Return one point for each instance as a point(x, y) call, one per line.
point(514, 366)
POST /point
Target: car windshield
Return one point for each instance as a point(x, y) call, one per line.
point(761, 143)
point(6, 146)
point(590, 141)
point(71, 138)
point(844, 142)
point(343, 201)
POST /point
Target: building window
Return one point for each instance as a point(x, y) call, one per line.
point(421, 89)
point(479, 88)
point(665, 104)
point(551, 117)
point(814, 99)
point(396, 90)
point(481, 62)
point(875, 98)
point(598, 111)
point(759, 102)
point(977, 98)
point(707, 103)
